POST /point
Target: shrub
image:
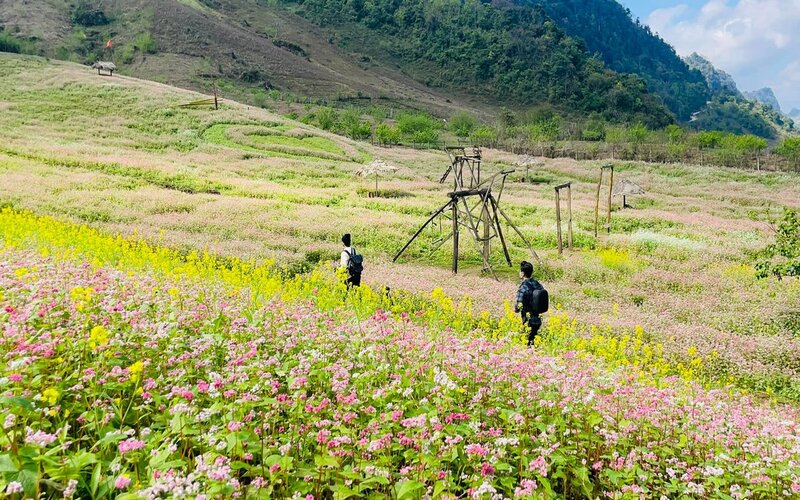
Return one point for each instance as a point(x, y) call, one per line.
point(327, 118)
point(9, 43)
point(86, 14)
point(146, 44)
point(782, 258)
point(386, 134)
point(410, 124)
point(484, 136)
point(462, 124)
point(789, 148)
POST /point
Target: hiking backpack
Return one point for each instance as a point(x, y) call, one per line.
point(536, 300)
point(355, 265)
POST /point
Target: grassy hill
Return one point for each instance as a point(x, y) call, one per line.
point(250, 48)
point(255, 47)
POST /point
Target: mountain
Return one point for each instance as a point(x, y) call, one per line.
point(764, 96)
point(729, 110)
point(794, 114)
point(728, 113)
point(439, 56)
point(716, 78)
point(627, 46)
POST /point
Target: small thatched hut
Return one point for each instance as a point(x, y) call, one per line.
point(108, 66)
point(626, 188)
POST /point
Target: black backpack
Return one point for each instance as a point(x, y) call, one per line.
point(536, 300)
point(355, 265)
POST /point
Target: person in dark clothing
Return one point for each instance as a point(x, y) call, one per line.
point(348, 261)
point(524, 306)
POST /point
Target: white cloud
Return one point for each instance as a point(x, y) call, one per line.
point(757, 41)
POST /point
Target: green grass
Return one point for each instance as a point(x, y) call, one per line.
point(178, 182)
point(312, 143)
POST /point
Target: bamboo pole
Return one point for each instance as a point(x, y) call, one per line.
point(558, 222)
point(597, 203)
point(610, 188)
point(569, 215)
point(455, 236)
point(500, 231)
point(432, 217)
point(485, 219)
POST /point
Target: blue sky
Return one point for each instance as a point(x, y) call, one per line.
point(756, 41)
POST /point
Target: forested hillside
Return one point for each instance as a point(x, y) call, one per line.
point(628, 46)
point(509, 51)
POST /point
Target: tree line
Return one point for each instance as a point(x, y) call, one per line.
point(543, 132)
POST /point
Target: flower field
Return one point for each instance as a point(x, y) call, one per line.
point(172, 325)
point(133, 371)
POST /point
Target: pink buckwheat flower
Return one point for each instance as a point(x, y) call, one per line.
point(122, 482)
point(130, 445)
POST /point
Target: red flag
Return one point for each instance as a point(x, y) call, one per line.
point(109, 43)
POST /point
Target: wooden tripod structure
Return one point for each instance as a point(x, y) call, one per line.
point(603, 169)
point(473, 206)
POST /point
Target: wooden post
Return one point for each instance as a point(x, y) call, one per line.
point(216, 104)
point(486, 222)
point(569, 215)
point(558, 222)
point(597, 203)
point(455, 237)
point(610, 187)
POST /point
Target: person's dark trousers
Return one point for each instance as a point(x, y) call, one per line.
point(534, 324)
point(354, 280)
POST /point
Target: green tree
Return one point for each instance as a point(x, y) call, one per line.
point(548, 130)
point(674, 133)
point(637, 135)
point(327, 118)
point(353, 126)
point(9, 44)
point(411, 123)
point(387, 134)
point(594, 129)
point(616, 136)
point(709, 140)
point(789, 148)
point(782, 258)
point(484, 136)
point(462, 124)
point(752, 145)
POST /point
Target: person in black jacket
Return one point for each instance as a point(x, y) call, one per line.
point(348, 255)
point(524, 303)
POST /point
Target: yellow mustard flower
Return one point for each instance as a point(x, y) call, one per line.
point(98, 337)
point(50, 395)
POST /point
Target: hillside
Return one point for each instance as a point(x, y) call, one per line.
point(627, 46)
point(351, 53)
point(250, 48)
point(729, 110)
point(173, 324)
point(511, 52)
